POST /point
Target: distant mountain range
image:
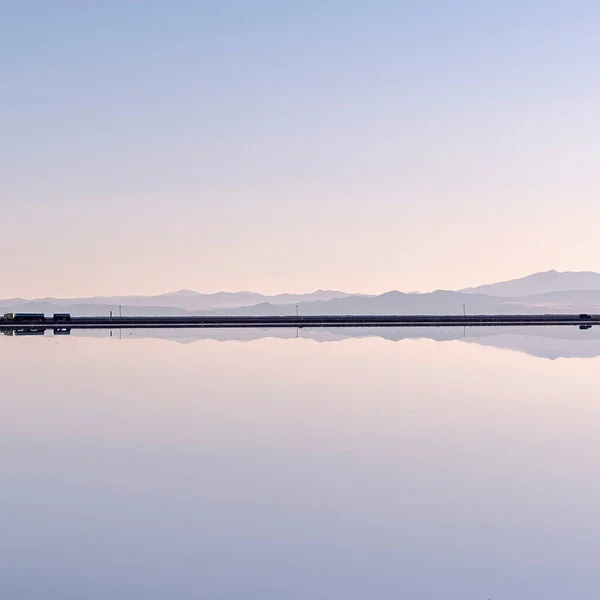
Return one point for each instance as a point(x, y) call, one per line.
point(540, 283)
point(173, 303)
point(187, 300)
point(551, 291)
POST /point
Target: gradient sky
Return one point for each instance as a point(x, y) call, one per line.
point(288, 146)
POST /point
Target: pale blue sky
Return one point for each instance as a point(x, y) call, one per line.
point(286, 146)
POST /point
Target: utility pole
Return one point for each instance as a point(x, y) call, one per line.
point(464, 310)
point(119, 311)
point(297, 311)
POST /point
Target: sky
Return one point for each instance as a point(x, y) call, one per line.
point(281, 146)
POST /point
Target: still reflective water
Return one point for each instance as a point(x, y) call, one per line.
point(375, 466)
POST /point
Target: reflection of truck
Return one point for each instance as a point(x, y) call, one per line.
point(27, 331)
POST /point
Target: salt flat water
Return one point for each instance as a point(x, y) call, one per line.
point(322, 468)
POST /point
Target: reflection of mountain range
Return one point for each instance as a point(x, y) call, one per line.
point(542, 342)
point(551, 291)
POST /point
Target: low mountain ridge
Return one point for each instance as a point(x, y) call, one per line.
point(394, 302)
point(184, 300)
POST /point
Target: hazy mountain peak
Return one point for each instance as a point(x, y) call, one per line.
point(541, 283)
point(183, 292)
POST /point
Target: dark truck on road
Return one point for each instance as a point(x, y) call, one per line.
point(61, 317)
point(29, 317)
point(36, 317)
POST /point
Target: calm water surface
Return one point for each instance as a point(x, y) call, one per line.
point(291, 469)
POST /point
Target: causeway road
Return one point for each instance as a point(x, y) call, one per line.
point(304, 321)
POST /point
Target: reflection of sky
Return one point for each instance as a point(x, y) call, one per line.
point(280, 469)
point(288, 146)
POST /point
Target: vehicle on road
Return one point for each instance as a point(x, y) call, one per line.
point(29, 317)
point(36, 317)
point(61, 317)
